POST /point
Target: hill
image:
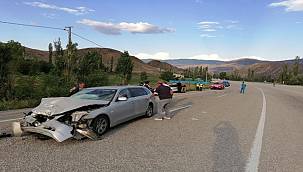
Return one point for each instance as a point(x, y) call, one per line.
point(164, 66)
point(107, 54)
point(187, 62)
point(268, 68)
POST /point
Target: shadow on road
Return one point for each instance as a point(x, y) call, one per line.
point(227, 155)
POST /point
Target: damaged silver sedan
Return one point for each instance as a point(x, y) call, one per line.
point(88, 113)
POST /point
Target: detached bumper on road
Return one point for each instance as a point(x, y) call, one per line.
point(53, 129)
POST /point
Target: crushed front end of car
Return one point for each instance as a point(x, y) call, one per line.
point(69, 123)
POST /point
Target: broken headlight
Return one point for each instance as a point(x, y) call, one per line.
point(76, 116)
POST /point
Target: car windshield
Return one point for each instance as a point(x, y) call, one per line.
point(96, 94)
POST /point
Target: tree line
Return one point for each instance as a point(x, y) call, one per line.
point(198, 72)
point(290, 74)
point(24, 79)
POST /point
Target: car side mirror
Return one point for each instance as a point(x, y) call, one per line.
point(122, 98)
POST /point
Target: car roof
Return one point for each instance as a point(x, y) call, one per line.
point(116, 87)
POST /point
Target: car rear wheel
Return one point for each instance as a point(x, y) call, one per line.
point(100, 124)
point(150, 111)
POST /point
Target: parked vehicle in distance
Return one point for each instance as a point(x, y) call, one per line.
point(226, 83)
point(178, 87)
point(88, 113)
point(217, 86)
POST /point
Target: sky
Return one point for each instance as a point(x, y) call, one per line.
point(164, 29)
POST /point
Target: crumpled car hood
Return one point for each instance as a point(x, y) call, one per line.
point(59, 105)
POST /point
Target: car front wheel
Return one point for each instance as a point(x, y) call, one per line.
point(100, 124)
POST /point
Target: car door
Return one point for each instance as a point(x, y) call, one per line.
point(141, 99)
point(121, 111)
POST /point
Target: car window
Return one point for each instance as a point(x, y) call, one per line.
point(124, 93)
point(96, 94)
point(136, 92)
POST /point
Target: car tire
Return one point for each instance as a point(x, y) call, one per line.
point(150, 111)
point(100, 124)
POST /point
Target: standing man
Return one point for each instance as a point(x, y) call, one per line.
point(243, 86)
point(78, 87)
point(146, 84)
point(165, 94)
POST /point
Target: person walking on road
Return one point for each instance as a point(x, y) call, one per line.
point(165, 94)
point(243, 87)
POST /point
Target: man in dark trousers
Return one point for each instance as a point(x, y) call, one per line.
point(146, 84)
point(165, 94)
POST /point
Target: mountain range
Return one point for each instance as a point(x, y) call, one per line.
point(272, 68)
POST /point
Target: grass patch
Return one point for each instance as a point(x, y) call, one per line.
point(18, 104)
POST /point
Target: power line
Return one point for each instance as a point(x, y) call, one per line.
point(87, 39)
point(55, 28)
point(31, 25)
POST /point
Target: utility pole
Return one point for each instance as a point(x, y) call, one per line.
point(69, 46)
point(69, 30)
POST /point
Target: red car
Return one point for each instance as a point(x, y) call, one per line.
point(217, 86)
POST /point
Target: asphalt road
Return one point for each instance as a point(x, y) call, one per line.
point(222, 131)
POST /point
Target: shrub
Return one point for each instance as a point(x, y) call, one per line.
point(167, 75)
point(96, 79)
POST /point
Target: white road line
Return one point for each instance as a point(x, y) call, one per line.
point(194, 119)
point(180, 108)
point(255, 152)
point(222, 95)
point(9, 120)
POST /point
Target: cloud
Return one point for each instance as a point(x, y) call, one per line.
point(206, 57)
point(209, 26)
point(215, 26)
point(207, 36)
point(75, 11)
point(208, 23)
point(211, 56)
point(166, 56)
point(209, 30)
point(290, 5)
point(116, 29)
point(156, 56)
point(232, 21)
